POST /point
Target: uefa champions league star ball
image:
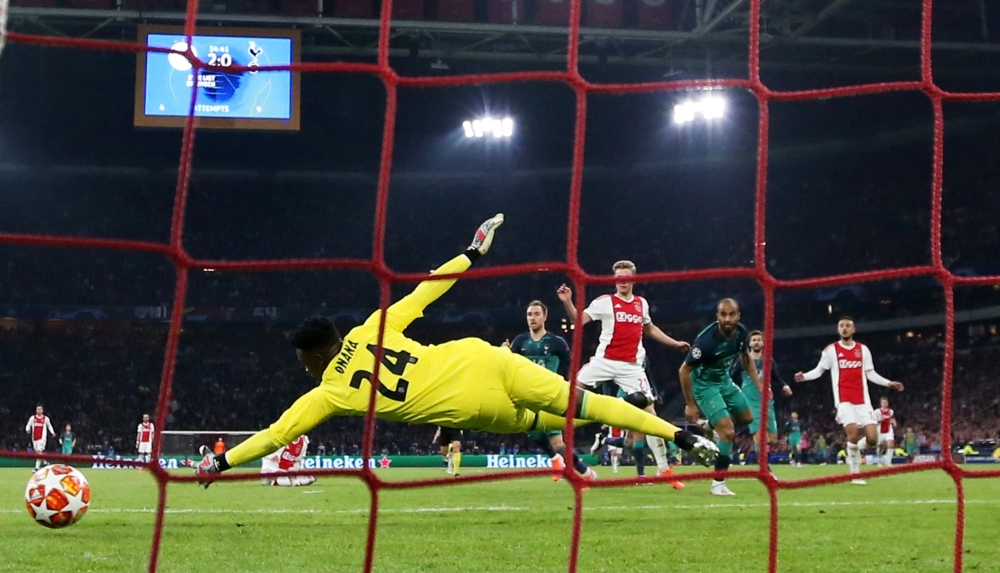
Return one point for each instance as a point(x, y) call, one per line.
point(57, 496)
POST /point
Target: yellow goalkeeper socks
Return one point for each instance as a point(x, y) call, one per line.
point(456, 462)
point(619, 414)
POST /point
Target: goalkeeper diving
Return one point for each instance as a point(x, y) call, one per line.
point(464, 384)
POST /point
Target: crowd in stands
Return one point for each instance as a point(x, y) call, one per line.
point(102, 379)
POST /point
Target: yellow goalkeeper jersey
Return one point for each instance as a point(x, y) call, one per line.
point(417, 384)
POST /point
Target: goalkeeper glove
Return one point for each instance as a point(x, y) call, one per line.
point(484, 235)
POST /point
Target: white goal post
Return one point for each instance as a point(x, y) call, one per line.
point(187, 442)
point(4, 7)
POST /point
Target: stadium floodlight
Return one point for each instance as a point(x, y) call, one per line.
point(709, 108)
point(488, 126)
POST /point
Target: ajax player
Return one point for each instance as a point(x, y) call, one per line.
point(287, 459)
point(39, 427)
point(462, 384)
point(850, 365)
point(886, 419)
point(551, 352)
point(624, 318)
point(707, 385)
point(144, 438)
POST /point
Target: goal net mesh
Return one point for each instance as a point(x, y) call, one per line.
point(570, 265)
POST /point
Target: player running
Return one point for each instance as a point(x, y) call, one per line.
point(624, 318)
point(144, 438)
point(450, 441)
point(886, 419)
point(37, 427)
point(551, 352)
point(793, 428)
point(708, 387)
point(465, 384)
point(850, 364)
point(741, 377)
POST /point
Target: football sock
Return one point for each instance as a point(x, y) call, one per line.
point(853, 458)
point(614, 463)
point(451, 463)
point(546, 446)
point(581, 467)
point(456, 462)
point(723, 460)
point(659, 448)
point(639, 453)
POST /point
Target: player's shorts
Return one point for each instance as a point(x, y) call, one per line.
point(629, 376)
point(38, 445)
point(145, 447)
point(794, 440)
point(860, 414)
point(612, 450)
point(718, 401)
point(772, 424)
point(889, 436)
point(449, 435)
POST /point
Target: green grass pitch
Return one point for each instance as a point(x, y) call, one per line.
point(896, 524)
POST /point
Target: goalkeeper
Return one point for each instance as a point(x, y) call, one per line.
point(465, 384)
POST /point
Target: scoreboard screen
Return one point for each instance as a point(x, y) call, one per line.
point(225, 97)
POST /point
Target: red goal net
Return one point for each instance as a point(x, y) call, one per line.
point(183, 262)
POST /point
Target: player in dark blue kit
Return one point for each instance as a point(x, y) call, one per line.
point(707, 386)
point(551, 352)
point(742, 378)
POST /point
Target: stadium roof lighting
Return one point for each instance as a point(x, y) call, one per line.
point(487, 126)
point(708, 108)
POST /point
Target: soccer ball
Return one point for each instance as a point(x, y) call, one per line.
point(57, 496)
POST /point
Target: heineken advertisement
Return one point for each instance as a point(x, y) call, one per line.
point(492, 461)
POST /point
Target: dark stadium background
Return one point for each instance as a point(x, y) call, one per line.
point(82, 331)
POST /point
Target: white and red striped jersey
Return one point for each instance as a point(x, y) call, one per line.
point(293, 452)
point(144, 433)
point(37, 425)
point(622, 322)
point(849, 368)
point(884, 418)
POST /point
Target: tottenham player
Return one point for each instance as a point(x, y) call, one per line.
point(624, 318)
point(886, 419)
point(144, 438)
point(464, 384)
point(39, 427)
point(551, 352)
point(708, 387)
point(287, 459)
point(742, 378)
point(850, 364)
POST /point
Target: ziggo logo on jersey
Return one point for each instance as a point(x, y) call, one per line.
point(848, 364)
point(626, 317)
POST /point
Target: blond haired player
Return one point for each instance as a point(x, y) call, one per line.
point(624, 318)
point(37, 427)
point(463, 384)
point(850, 365)
point(144, 438)
point(886, 419)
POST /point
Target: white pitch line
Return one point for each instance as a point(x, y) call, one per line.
point(516, 508)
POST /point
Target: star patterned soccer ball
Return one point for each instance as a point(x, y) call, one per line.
point(57, 496)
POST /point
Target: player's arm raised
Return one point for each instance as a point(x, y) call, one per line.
point(875, 377)
point(565, 294)
point(654, 332)
point(411, 307)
